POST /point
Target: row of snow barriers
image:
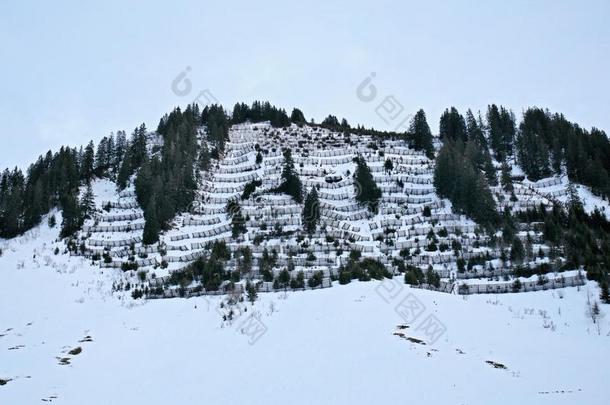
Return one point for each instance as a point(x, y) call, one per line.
point(534, 285)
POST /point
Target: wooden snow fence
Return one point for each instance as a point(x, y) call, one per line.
point(119, 217)
point(234, 161)
point(222, 200)
point(340, 216)
point(338, 160)
point(114, 228)
point(271, 212)
point(535, 285)
point(121, 204)
point(114, 243)
point(235, 179)
point(267, 200)
point(190, 221)
point(116, 264)
point(334, 196)
point(227, 190)
point(545, 183)
point(350, 207)
point(405, 198)
point(211, 239)
point(280, 220)
point(409, 179)
point(390, 188)
point(208, 210)
point(418, 191)
point(212, 231)
point(237, 169)
point(334, 152)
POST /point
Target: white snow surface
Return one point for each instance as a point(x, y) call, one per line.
point(329, 346)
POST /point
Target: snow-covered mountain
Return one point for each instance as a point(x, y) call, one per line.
point(412, 221)
point(82, 321)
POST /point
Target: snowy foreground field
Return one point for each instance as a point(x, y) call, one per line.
point(341, 345)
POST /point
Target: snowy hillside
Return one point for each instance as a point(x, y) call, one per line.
point(412, 224)
point(233, 303)
point(359, 344)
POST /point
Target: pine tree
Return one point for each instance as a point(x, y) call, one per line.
point(311, 211)
point(506, 179)
point(110, 151)
point(144, 184)
point(481, 159)
point(71, 215)
point(297, 116)
point(251, 292)
point(244, 262)
point(119, 151)
point(388, 165)
point(507, 119)
point(533, 142)
point(11, 201)
point(368, 193)
point(489, 169)
point(331, 122)
point(456, 178)
point(575, 204)
point(240, 113)
point(238, 222)
point(421, 134)
point(125, 172)
point(604, 295)
point(474, 129)
point(204, 158)
point(138, 150)
point(152, 227)
point(533, 155)
point(217, 123)
point(452, 126)
point(87, 203)
point(104, 157)
point(496, 137)
point(101, 157)
point(291, 183)
point(517, 251)
point(87, 166)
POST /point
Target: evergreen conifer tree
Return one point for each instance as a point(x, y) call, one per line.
point(87, 166)
point(368, 193)
point(152, 227)
point(453, 126)
point(506, 179)
point(87, 203)
point(421, 134)
point(291, 183)
point(71, 215)
point(311, 211)
point(297, 116)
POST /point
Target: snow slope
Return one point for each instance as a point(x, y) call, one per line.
point(329, 346)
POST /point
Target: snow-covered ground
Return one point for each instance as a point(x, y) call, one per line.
point(331, 346)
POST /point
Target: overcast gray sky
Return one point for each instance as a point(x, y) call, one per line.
point(71, 72)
